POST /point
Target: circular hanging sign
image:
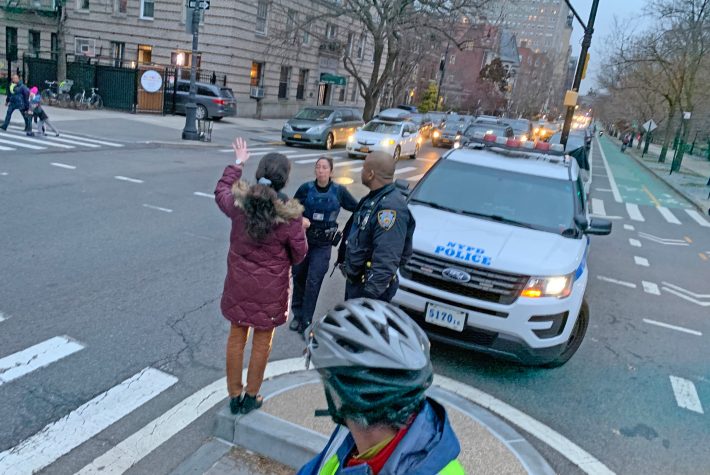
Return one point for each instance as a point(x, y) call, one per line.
point(151, 81)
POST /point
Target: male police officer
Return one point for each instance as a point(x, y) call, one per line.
point(379, 236)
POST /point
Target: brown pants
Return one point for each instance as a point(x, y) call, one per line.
point(260, 350)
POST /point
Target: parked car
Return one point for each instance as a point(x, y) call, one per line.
point(323, 126)
point(454, 126)
point(391, 132)
point(213, 101)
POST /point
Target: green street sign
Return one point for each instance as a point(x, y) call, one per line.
point(328, 78)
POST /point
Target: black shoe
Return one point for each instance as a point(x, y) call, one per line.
point(295, 325)
point(4, 129)
point(30, 134)
point(249, 403)
point(235, 404)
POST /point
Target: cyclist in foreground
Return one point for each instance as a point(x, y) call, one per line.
point(374, 363)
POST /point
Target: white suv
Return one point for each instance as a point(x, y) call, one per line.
point(391, 132)
point(500, 252)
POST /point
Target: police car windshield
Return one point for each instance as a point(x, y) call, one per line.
point(531, 201)
point(382, 127)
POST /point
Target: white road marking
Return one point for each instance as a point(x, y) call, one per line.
point(650, 288)
point(685, 296)
point(130, 451)
point(251, 150)
point(698, 218)
point(6, 149)
point(354, 170)
point(641, 261)
point(612, 181)
point(75, 142)
point(681, 289)
point(2, 317)
point(28, 138)
point(63, 165)
point(584, 460)
point(673, 327)
point(619, 282)
point(598, 207)
point(204, 195)
point(415, 177)
point(635, 242)
point(164, 210)
point(21, 145)
point(304, 155)
point(38, 356)
point(3, 174)
point(634, 212)
point(346, 163)
point(670, 217)
point(607, 190)
point(399, 171)
point(664, 241)
point(90, 140)
point(685, 394)
point(628, 227)
point(83, 423)
point(125, 178)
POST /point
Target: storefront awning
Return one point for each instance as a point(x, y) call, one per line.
point(328, 78)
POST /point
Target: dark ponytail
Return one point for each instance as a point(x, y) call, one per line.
point(260, 204)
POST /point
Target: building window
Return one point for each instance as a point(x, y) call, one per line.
point(82, 4)
point(331, 31)
point(84, 47)
point(120, 6)
point(284, 80)
point(118, 51)
point(302, 81)
point(34, 43)
point(307, 31)
point(353, 94)
point(349, 48)
point(291, 20)
point(11, 42)
point(262, 14)
point(147, 9)
point(361, 47)
point(145, 54)
point(341, 97)
point(183, 58)
point(54, 46)
point(256, 75)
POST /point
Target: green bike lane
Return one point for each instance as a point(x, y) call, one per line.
point(635, 184)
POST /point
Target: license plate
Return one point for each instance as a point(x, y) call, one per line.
point(445, 140)
point(365, 150)
point(445, 316)
point(296, 136)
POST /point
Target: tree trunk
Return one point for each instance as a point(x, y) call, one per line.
point(61, 45)
point(370, 105)
point(667, 137)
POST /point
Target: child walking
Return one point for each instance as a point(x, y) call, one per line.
point(40, 116)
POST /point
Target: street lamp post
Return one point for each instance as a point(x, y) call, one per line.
point(586, 42)
point(189, 132)
point(441, 77)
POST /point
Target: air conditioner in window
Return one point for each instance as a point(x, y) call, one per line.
point(256, 92)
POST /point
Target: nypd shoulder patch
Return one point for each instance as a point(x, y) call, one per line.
point(386, 218)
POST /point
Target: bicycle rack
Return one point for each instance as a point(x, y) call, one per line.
point(204, 129)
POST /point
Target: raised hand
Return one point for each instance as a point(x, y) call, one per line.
point(241, 152)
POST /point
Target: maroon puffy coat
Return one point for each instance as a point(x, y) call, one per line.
point(257, 287)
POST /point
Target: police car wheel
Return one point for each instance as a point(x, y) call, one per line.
point(575, 339)
point(396, 153)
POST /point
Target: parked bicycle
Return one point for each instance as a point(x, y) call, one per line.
point(83, 100)
point(57, 93)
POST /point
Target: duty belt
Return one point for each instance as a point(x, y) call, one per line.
point(321, 234)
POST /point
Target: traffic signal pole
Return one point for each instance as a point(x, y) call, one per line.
point(189, 132)
point(442, 68)
point(586, 43)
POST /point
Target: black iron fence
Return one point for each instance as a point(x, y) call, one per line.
point(173, 74)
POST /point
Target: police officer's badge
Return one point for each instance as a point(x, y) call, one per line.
point(386, 218)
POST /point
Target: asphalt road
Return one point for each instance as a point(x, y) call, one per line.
point(123, 276)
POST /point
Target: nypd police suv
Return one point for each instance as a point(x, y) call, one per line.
point(500, 251)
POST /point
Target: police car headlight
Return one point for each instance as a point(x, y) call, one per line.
point(556, 286)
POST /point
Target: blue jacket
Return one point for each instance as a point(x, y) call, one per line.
point(429, 447)
point(19, 98)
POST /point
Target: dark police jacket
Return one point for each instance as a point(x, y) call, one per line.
point(379, 240)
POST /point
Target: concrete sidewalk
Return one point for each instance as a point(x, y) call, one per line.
point(285, 434)
point(692, 181)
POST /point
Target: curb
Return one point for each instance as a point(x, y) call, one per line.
point(262, 433)
point(692, 200)
point(205, 457)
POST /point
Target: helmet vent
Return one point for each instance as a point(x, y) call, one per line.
point(393, 324)
point(349, 346)
point(331, 321)
point(358, 324)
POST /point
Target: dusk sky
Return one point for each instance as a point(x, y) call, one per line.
point(631, 12)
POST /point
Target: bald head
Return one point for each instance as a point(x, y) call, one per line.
point(381, 166)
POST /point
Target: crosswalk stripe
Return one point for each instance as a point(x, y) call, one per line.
point(63, 165)
point(598, 207)
point(399, 171)
point(686, 396)
point(75, 142)
point(634, 212)
point(60, 437)
point(251, 150)
point(38, 356)
point(346, 163)
point(697, 217)
point(204, 195)
point(22, 145)
point(90, 140)
point(6, 149)
point(670, 217)
point(38, 141)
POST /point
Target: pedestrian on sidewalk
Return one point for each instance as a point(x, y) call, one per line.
point(267, 238)
point(18, 98)
point(624, 142)
point(374, 363)
point(322, 200)
point(39, 115)
point(379, 234)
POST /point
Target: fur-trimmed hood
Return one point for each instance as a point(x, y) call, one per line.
point(285, 210)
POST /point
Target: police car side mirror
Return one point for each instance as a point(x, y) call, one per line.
point(598, 227)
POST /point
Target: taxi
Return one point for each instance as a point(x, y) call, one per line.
point(500, 251)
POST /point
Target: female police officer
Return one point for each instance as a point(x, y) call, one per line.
point(322, 200)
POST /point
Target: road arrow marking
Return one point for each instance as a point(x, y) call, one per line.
point(618, 282)
point(672, 327)
point(664, 241)
point(686, 396)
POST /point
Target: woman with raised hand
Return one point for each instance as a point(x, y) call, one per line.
point(266, 240)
